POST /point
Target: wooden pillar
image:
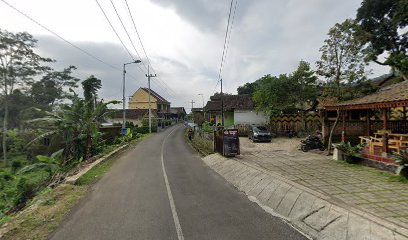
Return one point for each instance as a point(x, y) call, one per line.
point(385, 119)
point(404, 119)
point(368, 123)
point(385, 136)
point(343, 131)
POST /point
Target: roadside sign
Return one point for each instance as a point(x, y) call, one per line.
point(226, 142)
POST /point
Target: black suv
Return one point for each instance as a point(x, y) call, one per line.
point(259, 134)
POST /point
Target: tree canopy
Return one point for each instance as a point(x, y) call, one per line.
point(287, 93)
point(383, 27)
point(247, 88)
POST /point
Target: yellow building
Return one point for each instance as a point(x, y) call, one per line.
point(140, 100)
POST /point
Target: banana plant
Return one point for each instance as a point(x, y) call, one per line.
point(52, 164)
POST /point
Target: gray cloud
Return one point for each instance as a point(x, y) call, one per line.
point(268, 37)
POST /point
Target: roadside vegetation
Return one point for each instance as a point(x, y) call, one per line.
point(49, 130)
point(201, 139)
point(376, 35)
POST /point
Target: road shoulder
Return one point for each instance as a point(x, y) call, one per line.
point(311, 212)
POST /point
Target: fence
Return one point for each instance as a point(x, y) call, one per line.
point(355, 128)
point(281, 124)
point(299, 123)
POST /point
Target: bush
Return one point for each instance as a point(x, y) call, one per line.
point(15, 165)
point(6, 175)
point(25, 191)
point(352, 153)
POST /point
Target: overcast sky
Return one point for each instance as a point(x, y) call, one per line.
point(183, 39)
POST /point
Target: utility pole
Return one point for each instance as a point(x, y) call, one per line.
point(148, 75)
point(192, 105)
point(222, 105)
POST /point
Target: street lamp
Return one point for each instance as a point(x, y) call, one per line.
point(123, 99)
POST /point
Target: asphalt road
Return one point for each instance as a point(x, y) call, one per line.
point(162, 190)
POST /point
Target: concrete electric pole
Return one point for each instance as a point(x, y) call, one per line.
point(148, 75)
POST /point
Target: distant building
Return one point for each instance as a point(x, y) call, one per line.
point(238, 110)
point(135, 116)
point(177, 113)
point(140, 100)
point(198, 116)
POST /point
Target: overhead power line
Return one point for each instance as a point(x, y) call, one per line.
point(114, 30)
point(167, 88)
point(60, 37)
point(137, 32)
point(127, 33)
point(225, 40)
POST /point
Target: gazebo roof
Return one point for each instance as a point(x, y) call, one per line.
point(392, 96)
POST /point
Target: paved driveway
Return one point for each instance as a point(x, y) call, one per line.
point(362, 187)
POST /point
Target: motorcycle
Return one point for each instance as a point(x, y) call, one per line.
point(312, 142)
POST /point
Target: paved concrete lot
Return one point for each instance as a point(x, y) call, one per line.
point(362, 187)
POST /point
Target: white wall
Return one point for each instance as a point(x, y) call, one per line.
point(250, 117)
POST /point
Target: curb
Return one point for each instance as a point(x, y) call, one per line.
point(315, 214)
point(73, 179)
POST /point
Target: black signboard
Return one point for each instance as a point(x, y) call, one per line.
point(230, 142)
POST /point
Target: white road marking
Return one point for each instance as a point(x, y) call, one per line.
point(171, 200)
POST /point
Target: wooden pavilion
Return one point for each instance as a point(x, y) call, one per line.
point(378, 119)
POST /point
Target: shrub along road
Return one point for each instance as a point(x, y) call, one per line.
point(161, 189)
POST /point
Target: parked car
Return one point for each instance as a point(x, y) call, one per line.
point(259, 134)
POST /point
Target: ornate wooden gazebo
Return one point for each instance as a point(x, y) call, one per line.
point(384, 111)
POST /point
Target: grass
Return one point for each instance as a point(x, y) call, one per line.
point(394, 178)
point(202, 145)
point(44, 213)
point(95, 173)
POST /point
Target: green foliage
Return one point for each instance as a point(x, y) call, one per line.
point(19, 64)
point(352, 153)
point(51, 88)
point(15, 141)
point(95, 173)
point(207, 127)
point(25, 191)
point(383, 27)
point(247, 88)
point(287, 93)
point(402, 160)
point(349, 149)
point(91, 86)
point(77, 124)
point(342, 61)
point(51, 164)
point(145, 124)
point(15, 165)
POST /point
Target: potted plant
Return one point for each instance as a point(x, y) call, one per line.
point(402, 160)
point(351, 154)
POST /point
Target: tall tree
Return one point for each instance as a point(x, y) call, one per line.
point(91, 86)
point(19, 63)
point(53, 87)
point(287, 93)
point(342, 60)
point(306, 84)
point(247, 88)
point(383, 24)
